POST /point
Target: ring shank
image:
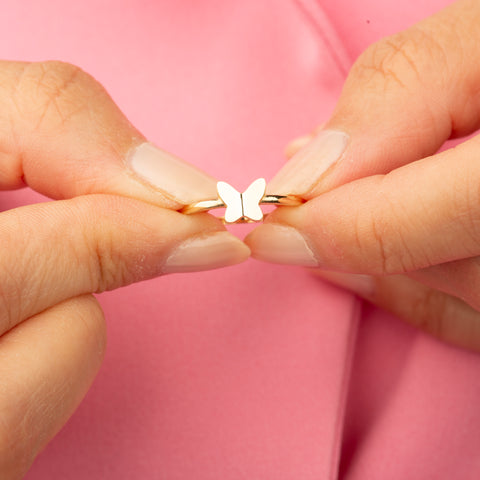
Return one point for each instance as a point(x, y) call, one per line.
point(205, 205)
point(286, 200)
point(202, 206)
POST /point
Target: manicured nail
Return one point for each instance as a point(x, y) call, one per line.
point(362, 285)
point(206, 252)
point(308, 165)
point(295, 145)
point(281, 244)
point(178, 179)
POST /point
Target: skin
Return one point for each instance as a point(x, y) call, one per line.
point(62, 135)
point(407, 219)
point(47, 312)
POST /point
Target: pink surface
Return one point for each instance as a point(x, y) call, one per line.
point(245, 373)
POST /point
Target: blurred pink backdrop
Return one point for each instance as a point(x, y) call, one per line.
point(257, 371)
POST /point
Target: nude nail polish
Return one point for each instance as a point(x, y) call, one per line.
point(304, 170)
point(183, 182)
point(282, 244)
point(206, 252)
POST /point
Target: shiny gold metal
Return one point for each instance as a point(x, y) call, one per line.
point(242, 207)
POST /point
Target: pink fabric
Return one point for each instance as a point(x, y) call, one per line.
point(257, 371)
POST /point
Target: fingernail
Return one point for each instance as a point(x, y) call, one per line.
point(178, 179)
point(281, 244)
point(206, 252)
point(362, 285)
point(307, 166)
point(295, 145)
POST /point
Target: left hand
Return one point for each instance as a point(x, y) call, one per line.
point(381, 203)
point(113, 224)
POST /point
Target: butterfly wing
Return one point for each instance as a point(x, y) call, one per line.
point(251, 199)
point(232, 200)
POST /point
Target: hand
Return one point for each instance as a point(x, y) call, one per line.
point(382, 205)
point(114, 223)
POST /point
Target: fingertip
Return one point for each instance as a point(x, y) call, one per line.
point(301, 174)
point(206, 252)
point(176, 179)
point(297, 144)
point(278, 243)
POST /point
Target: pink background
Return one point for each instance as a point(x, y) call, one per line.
point(257, 371)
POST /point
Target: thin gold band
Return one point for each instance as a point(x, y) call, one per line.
point(205, 205)
point(242, 207)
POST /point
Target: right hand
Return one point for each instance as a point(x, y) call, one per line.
point(114, 224)
point(388, 217)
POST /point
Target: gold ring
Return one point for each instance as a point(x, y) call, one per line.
point(242, 207)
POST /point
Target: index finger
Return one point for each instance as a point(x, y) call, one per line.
point(53, 251)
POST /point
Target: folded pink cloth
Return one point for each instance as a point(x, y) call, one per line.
point(257, 371)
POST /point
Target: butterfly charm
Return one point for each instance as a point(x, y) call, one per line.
point(242, 206)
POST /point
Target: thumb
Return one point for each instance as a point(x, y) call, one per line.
point(404, 97)
point(61, 134)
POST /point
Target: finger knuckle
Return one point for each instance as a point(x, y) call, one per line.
point(400, 59)
point(384, 61)
point(382, 252)
point(105, 266)
point(101, 252)
point(381, 238)
point(392, 256)
point(50, 93)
